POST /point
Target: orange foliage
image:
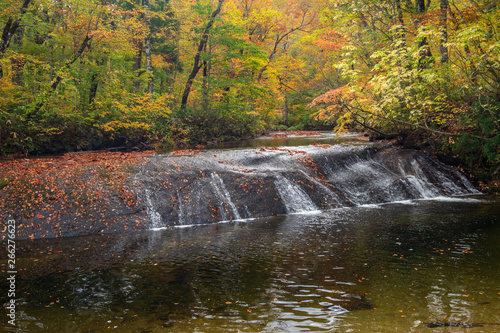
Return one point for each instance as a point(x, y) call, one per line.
point(330, 40)
point(336, 101)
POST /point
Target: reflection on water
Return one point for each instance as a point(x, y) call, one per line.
point(388, 268)
point(290, 140)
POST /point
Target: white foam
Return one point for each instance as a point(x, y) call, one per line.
point(452, 199)
point(293, 197)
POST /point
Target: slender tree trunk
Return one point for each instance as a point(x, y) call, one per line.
point(137, 66)
point(205, 85)
point(285, 110)
point(400, 33)
point(94, 82)
point(147, 47)
point(201, 46)
point(9, 31)
point(277, 41)
point(443, 21)
point(51, 59)
point(10, 28)
point(423, 45)
point(206, 80)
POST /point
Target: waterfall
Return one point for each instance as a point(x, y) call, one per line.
point(293, 197)
point(182, 213)
point(154, 216)
point(252, 183)
point(421, 182)
point(223, 197)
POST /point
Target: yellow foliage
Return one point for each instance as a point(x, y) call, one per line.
point(116, 125)
point(145, 107)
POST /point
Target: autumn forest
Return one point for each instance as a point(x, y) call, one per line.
point(91, 74)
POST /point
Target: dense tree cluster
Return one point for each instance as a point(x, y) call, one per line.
point(425, 71)
point(87, 74)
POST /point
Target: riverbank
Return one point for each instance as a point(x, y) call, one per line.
point(71, 195)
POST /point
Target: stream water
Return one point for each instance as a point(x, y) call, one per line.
point(418, 261)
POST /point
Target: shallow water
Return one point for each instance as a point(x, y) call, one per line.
point(291, 140)
point(374, 268)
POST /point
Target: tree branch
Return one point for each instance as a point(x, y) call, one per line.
point(201, 46)
point(279, 39)
point(422, 127)
point(11, 27)
point(36, 107)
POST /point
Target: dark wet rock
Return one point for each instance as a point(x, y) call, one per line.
point(240, 184)
point(204, 187)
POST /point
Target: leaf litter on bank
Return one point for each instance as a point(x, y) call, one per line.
point(41, 193)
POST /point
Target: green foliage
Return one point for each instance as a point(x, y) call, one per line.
point(479, 145)
point(200, 126)
point(399, 83)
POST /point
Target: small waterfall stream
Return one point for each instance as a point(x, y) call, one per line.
point(294, 198)
point(224, 199)
point(154, 216)
point(228, 185)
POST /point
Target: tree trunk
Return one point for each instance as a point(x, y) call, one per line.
point(423, 45)
point(137, 66)
point(443, 21)
point(9, 30)
point(400, 33)
point(147, 47)
point(285, 111)
point(270, 57)
point(201, 46)
point(94, 82)
point(206, 80)
point(17, 66)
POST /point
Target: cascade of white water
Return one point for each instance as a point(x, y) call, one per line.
point(153, 214)
point(293, 197)
point(468, 185)
point(259, 184)
point(417, 181)
point(427, 189)
point(223, 196)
